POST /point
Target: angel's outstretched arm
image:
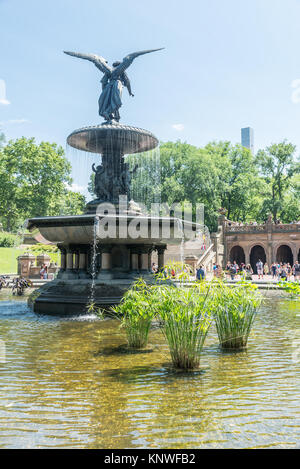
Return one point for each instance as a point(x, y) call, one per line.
point(97, 60)
point(127, 61)
point(127, 84)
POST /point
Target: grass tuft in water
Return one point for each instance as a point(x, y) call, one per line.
point(185, 320)
point(92, 308)
point(234, 313)
point(136, 312)
point(292, 288)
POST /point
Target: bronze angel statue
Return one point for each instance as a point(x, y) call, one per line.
point(113, 81)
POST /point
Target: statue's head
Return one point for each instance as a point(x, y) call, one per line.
point(115, 64)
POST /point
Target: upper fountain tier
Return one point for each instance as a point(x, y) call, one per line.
point(112, 138)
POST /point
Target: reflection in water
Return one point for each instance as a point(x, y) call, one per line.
point(69, 383)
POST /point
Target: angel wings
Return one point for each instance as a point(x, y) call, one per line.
point(113, 81)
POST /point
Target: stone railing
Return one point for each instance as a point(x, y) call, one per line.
point(246, 229)
point(293, 227)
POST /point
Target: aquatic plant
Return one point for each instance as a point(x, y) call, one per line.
point(92, 308)
point(177, 271)
point(234, 313)
point(136, 311)
point(292, 288)
point(185, 319)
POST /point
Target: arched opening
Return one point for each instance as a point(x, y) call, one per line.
point(257, 253)
point(284, 255)
point(237, 254)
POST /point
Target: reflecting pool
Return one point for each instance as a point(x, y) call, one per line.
point(70, 383)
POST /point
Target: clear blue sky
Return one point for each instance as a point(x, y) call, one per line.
point(227, 64)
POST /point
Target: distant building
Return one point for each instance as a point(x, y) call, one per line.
point(248, 138)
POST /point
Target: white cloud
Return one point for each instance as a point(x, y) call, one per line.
point(15, 122)
point(178, 127)
point(3, 99)
point(74, 187)
point(18, 121)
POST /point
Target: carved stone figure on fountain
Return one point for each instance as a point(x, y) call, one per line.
point(126, 178)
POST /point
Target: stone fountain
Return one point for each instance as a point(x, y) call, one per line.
point(105, 250)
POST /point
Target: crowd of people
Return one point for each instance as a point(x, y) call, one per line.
point(277, 271)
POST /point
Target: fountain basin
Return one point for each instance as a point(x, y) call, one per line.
point(112, 138)
point(79, 229)
point(106, 265)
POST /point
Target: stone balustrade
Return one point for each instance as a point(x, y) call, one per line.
point(252, 229)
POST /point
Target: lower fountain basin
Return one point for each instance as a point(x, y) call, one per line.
point(104, 254)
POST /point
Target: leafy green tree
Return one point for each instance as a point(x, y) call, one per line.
point(238, 180)
point(221, 175)
point(291, 203)
point(218, 175)
point(277, 165)
point(2, 139)
point(33, 180)
point(73, 203)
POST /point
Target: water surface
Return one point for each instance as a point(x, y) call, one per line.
point(68, 383)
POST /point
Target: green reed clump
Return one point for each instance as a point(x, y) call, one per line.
point(292, 288)
point(234, 313)
point(136, 312)
point(92, 308)
point(185, 320)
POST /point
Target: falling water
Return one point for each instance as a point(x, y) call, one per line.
point(94, 261)
point(21, 233)
point(181, 231)
point(145, 166)
point(145, 185)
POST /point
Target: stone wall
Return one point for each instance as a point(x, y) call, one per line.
point(29, 266)
point(275, 243)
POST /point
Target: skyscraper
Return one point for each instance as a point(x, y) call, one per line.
point(248, 138)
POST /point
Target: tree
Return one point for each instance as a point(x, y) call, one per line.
point(73, 203)
point(277, 165)
point(218, 175)
point(33, 180)
point(2, 139)
point(291, 202)
point(238, 180)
